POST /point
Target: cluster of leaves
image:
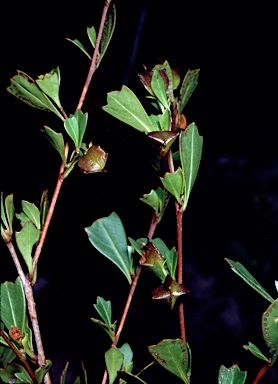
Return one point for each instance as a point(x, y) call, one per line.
point(178, 154)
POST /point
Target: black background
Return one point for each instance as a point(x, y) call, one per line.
point(233, 208)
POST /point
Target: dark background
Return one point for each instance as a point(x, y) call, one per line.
point(233, 208)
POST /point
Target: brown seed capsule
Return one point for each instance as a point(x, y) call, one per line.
point(15, 333)
point(93, 161)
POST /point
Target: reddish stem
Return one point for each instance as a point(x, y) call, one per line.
point(31, 308)
point(49, 215)
point(261, 373)
point(93, 65)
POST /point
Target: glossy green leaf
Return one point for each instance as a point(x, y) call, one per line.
point(25, 240)
point(50, 84)
point(276, 285)
point(155, 199)
point(57, 140)
point(174, 183)
point(173, 355)
point(108, 236)
point(270, 329)
point(12, 305)
point(190, 153)
point(189, 83)
point(91, 32)
point(158, 87)
point(32, 212)
point(171, 261)
point(126, 107)
point(64, 374)
point(240, 270)
point(109, 26)
point(155, 122)
point(6, 355)
point(25, 88)
point(232, 375)
point(114, 361)
point(41, 372)
point(104, 309)
point(75, 126)
point(253, 349)
point(80, 46)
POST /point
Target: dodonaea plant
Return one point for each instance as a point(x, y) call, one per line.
point(176, 155)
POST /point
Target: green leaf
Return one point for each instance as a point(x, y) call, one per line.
point(41, 372)
point(253, 349)
point(110, 331)
point(126, 107)
point(91, 32)
point(104, 309)
point(189, 83)
point(276, 285)
point(130, 378)
point(108, 236)
point(3, 213)
point(108, 29)
point(64, 374)
point(16, 372)
point(6, 355)
point(22, 217)
point(25, 240)
point(240, 270)
point(9, 205)
point(44, 206)
point(173, 355)
point(75, 126)
point(79, 45)
point(270, 329)
point(25, 88)
point(172, 77)
point(232, 375)
point(50, 84)
point(171, 261)
point(114, 360)
point(12, 305)
point(152, 259)
point(128, 354)
point(57, 140)
point(32, 212)
point(155, 122)
point(26, 341)
point(174, 183)
point(140, 243)
point(165, 120)
point(190, 152)
point(155, 199)
point(158, 87)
